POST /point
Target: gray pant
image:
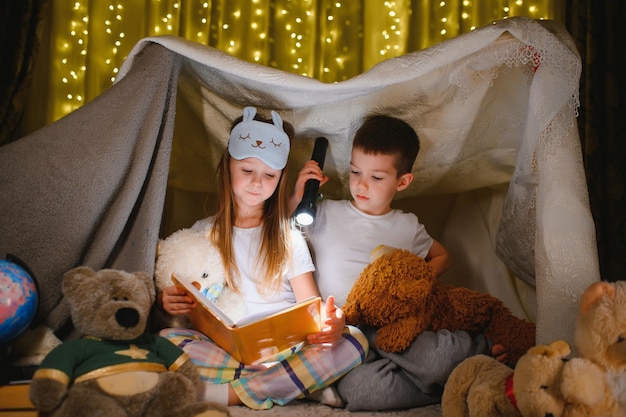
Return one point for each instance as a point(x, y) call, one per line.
point(412, 378)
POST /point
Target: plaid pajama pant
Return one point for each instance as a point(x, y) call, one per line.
point(290, 375)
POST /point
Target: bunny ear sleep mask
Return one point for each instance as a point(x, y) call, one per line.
point(255, 139)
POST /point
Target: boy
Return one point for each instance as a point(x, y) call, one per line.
point(342, 238)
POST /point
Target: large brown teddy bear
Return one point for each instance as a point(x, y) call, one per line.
point(115, 369)
point(398, 294)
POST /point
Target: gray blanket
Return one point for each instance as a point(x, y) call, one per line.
point(89, 188)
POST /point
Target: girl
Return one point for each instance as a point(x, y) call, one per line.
point(268, 262)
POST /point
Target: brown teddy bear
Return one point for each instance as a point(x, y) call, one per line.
point(585, 390)
point(480, 386)
point(398, 294)
point(600, 337)
point(115, 368)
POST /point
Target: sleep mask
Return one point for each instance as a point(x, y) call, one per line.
point(256, 139)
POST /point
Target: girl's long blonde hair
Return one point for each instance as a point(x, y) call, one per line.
point(274, 251)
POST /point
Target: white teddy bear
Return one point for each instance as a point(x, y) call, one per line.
point(191, 256)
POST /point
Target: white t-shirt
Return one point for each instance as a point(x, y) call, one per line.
point(246, 243)
point(342, 239)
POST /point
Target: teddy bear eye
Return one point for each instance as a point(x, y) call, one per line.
point(620, 339)
point(544, 387)
point(205, 275)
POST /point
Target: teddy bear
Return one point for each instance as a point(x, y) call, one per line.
point(481, 386)
point(190, 255)
point(399, 295)
point(586, 391)
point(600, 337)
point(115, 368)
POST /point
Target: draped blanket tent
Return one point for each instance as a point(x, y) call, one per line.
point(499, 179)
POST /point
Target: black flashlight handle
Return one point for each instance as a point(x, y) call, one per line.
point(319, 151)
point(311, 187)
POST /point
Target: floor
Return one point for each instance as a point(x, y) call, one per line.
point(14, 403)
point(311, 409)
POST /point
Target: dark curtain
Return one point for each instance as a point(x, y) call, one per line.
point(21, 24)
point(601, 39)
point(599, 36)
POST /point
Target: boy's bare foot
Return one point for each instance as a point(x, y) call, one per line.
point(499, 353)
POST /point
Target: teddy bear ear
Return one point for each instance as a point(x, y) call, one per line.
point(594, 292)
point(73, 275)
point(149, 283)
point(381, 250)
point(557, 349)
point(560, 348)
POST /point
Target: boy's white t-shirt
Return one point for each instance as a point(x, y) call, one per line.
point(342, 239)
point(246, 243)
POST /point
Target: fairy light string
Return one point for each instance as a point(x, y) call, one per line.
point(323, 39)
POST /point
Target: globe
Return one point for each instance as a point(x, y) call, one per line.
point(18, 300)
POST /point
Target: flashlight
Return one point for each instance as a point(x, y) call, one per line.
point(305, 212)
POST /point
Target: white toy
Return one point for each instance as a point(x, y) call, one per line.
point(192, 257)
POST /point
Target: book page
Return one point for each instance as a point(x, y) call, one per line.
point(264, 314)
point(197, 295)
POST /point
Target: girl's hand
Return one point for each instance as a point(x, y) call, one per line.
point(335, 323)
point(175, 301)
point(310, 171)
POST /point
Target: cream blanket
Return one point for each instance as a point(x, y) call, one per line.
point(499, 179)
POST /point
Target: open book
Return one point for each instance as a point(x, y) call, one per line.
point(258, 337)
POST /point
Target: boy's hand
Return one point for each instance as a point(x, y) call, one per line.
point(176, 301)
point(310, 171)
point(335, 322)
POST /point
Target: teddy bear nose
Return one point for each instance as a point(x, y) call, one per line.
point(127, 317)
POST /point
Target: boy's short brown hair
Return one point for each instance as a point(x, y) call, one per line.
point(380, 134)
